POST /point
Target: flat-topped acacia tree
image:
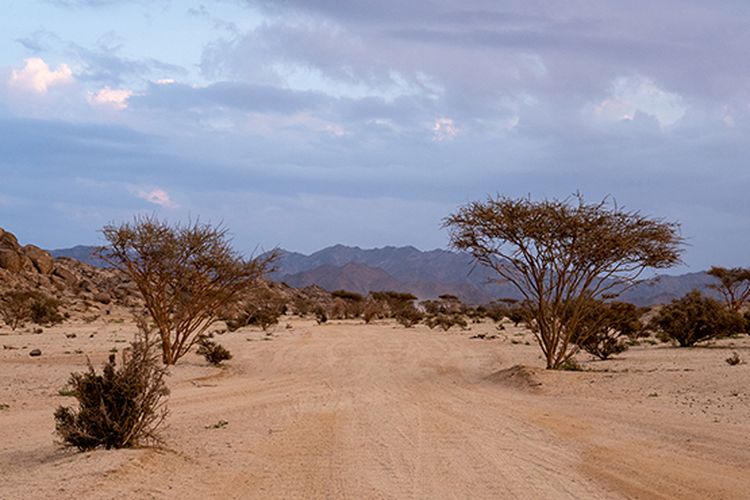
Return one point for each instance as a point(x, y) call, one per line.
point(562, 254)
point(734, 285)
point(187, 275)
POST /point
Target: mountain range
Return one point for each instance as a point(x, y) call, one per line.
point(426, 274)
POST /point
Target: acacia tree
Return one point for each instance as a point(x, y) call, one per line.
point(187, 275)
point(734, 285)
point(561, 255)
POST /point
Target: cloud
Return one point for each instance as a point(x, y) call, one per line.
point(109, 97)
point(639, 94)
point(443, 129)
point(157, 197)
point(36, 76)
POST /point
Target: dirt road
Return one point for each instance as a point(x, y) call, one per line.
point(356, 411)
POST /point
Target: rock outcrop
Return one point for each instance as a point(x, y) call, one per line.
point(80, 287)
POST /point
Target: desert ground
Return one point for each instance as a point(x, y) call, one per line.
point(347, 410)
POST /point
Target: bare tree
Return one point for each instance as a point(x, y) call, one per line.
point(186, 274)
point(561, 254)
point(734, 285)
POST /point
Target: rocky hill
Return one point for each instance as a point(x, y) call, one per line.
point(81, 288)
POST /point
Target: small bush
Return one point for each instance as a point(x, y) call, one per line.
point(320, 315)
point(213, 352)
point(571, 365)
point(606, 328)
point(119, 408)
point(446, 321)
point(734, 359)
point(695, 318)
point(45, 311)
point(19, 306)
point(408, 316)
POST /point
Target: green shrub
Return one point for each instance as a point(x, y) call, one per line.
point(695, 318)
point(606, 328)
point(213, 352)
point(119, 408)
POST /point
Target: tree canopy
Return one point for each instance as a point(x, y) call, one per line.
point(561, 254)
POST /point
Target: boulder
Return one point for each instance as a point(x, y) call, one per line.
point(66, 274)
point(11, 260)
point(102, 297)
point(43, 261)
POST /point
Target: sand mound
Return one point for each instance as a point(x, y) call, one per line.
point(518, 377)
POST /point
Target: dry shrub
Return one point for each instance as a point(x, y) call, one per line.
point(262, 307)
point(122, 407)
point(695, 318)
point(446, 321)
point(734, 359)
point(19, 306)
point(397, 305)
point(213, 352)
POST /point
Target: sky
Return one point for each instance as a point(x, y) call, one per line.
point(305, 123)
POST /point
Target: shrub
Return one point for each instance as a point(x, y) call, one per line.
point(213, 352)
point(446, 321)
point(695, 318)
point(373, 309)
point(606, 327)
point(119, 408)
point(262, 307)
point(320, 315)
point(408, 316)
point(19, 306)
point(734, 359)
point(347, 304)
point(397, 305)
point(45, 311)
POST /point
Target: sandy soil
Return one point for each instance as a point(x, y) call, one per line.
point(346, 410)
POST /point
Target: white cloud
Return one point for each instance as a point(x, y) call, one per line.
point(116, 98)
point(638, 94)
point(165, 81)
point(443, 129)
point(37, 76)
point(157, 197)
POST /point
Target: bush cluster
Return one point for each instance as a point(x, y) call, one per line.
point(695, 318)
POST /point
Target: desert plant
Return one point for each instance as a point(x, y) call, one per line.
point(733, 284)
point(119, 408)
point(734, 359)
point(320, 315)
point(346, 304)
point(19, 306)
point(399, 306)
point(263, 306)
point(562, 254)
point(695, 318)
point(45, 310)
point(213, 353)
point(445, 321)
point(15, 307)
point(606, 327)
point(187, 275)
